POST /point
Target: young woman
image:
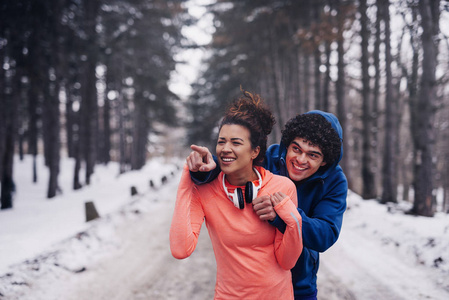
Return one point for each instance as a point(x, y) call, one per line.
point(253, 258)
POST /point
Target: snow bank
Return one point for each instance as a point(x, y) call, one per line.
point(421, 240)
point(35, 223)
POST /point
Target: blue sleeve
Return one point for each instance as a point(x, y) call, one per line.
point(321, 227)
point(206, 177)
point(279, 223)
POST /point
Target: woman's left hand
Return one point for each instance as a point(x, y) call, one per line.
point(277, 198)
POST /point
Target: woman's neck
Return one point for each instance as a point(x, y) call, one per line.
point(242, 177)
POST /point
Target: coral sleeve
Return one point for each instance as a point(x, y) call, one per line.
point(289, 245)
point(187, 219)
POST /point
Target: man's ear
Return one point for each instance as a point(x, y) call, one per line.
point(323, 164)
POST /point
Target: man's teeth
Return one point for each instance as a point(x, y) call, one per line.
point(299, 168)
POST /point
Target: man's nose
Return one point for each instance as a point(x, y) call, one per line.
point(301, 158)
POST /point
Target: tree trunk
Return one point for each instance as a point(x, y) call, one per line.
point(291, 85)
point(317, 75)
point(107, 110)
point(299, 84)
point(33, 99)
point(446, 200)
point(3, 106)
point(106, 156)
point(368, 178)
point(424, 137)
point(90, 92)
point(8, 186)
point(7, 158)
point(103, 142)
point(275, 61)
point(7, 134)
point(53, 140)
point(327, 78)
point(35, 89)
point(139, 133)
point(122, 133)
point(78, 149)
point(51, 100)
point(342, 109)
point(76, 176)
point(91, 113)
point(389, 167)
point(307, 82)
point(8, 129)
point(374, 116)
point(69, 125)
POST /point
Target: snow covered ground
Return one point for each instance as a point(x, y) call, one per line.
point(383, 253)
point(48, 251)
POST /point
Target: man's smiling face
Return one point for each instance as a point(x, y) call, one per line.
point(303, 159)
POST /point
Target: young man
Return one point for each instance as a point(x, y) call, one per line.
point(310, 150)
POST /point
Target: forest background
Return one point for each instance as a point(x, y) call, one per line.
point(92, 80)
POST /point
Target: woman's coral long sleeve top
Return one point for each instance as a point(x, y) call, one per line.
point(253, 258)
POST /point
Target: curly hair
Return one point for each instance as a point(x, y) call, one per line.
point(250, 112)
point(318, 131)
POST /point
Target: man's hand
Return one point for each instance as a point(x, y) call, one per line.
point(277, 198)
point(200, 159)
point(263, 206)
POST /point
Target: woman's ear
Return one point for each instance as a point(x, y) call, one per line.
point(256, 152)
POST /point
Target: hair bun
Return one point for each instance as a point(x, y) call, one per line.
point(250, 111)
point(259, 111)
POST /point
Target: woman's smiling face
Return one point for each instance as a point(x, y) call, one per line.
point(234, 151)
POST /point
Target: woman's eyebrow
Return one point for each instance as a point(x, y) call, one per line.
point(232, 139)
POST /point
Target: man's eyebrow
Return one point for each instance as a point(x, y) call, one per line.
point(317, 153)
point(314, 152)
point(293, 142)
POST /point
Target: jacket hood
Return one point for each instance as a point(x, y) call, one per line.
point(331, 118)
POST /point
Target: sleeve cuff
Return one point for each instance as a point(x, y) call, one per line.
point(200, 177)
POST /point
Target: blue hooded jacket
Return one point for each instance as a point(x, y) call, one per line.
point(321, 203)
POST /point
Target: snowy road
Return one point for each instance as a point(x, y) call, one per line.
point(126, 255)
point(144, 267)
